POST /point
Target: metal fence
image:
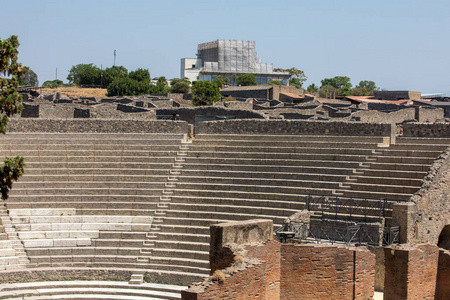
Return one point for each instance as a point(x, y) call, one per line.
point(336, 206)
point(340, 233)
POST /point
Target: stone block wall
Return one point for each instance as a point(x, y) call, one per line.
point(96, 126)
point(397, 116)
point(188, 114)
point(443, 276)
point(293, 127)
point(426, 130)
point(30, 111)
point(411, 272)
point(429, 114)
point(326, 272)
point(424, 217)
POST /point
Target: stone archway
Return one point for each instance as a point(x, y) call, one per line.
point(444, 238)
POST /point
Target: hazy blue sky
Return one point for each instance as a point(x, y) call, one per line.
point(399, 44)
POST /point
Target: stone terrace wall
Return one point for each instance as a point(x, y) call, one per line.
point(411, 273)
point(188, 114)
point(427, 130)
point(422, 219)
point(326, 272)
point(64, 274)
point(397, 116)
point(96, 126)
point(297, 127)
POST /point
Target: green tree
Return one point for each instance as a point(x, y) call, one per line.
point(274, 82)
point(221, 81)
point(341, 83)
point(52, 84)
point(368, 85)
point(312, 88)
point(29, 77)
point(246, 80)
point(110, 74)
point(125, 86)
point(180, 85)
point(10, 104)
point(205, 93)
point(357, 91)
point(162, 86)
point(140, 75)
point(84, 74)
point(297, 78)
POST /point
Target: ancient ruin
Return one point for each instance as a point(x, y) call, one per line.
point(131, 196)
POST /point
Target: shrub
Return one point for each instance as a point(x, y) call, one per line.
point(246, 80)
point(125, 86)
point(205, 93)
point(217, 276)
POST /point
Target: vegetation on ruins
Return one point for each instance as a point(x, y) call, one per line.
point(312, 88)
point(162, 86)
point(180, 85)
point(341, 86)
point(52, 84)
point(298, 77)
point(273, 82)
point(365, 88)
point(10, 104)
point(341, 83)
point(205, 93)
point(246, 80)
point(29, 77)
point(221, 81)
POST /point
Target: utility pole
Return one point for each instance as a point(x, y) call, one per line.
point(56, 74)
point(114, 57)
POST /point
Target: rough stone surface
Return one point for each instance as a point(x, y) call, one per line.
point(427, 130)
point(96, 126)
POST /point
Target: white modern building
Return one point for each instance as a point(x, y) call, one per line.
point(229, 59)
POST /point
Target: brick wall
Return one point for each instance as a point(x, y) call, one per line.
point(443, 276)
point(326, 272)
point(411, 272)
point(259, 281)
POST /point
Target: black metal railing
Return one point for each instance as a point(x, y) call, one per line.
point(336, 206)
point(362, 234)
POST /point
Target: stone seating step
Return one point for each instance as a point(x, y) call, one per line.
point(256, 162)
point(400, 167)
point(264, 137)
point(393, 174)
point(275, 175)
point(404, 160)
point(92, 208)
point(56, 192)
point(156, 167)
point(249, 195)
point(411, 153)
point(248, 168)
point(181, 245)
point(84, 185)
point(82, 251)
point(273, 149)
point(277, 155)
point(70, 148)
point(82, 226)
point(181, 253)
point(97, 176)
point(182, 229)
point(94, 136)
point(117, 242)
point(374, 195)
point(158, 173)
point(289, 143)
point(98, 159)
point(421, 147)
point(422, 140)
point(198, 216)
point(294, 204)
point(186, 180)
point(412, 182)
point(377, 187)
point(203, 264)
point(40, 234)
point(220, 208)
point(193, 187)
point(81, 151)
point(30, 140)
point(356, 216)
point(194, 237)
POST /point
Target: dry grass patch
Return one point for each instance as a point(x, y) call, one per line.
point(77, 92)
